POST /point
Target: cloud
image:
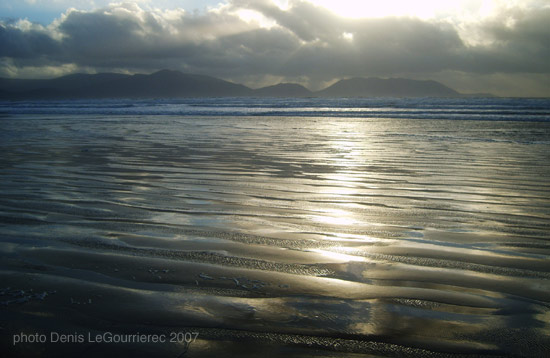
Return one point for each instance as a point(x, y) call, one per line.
point(382, 46)
point(302, 41)
point(22, 39)
point(520, 43)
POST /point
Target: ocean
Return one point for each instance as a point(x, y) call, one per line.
point(303, 227)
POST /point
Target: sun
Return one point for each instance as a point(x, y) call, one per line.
point(377, 8)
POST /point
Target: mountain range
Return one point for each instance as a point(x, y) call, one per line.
point(174, 84)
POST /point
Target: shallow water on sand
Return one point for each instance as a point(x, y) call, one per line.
point(276, 235)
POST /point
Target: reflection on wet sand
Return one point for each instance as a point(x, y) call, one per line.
point(277, 236)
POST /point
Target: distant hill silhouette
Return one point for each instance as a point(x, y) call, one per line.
point(161, 84)
point(283, 90)
point(165, 84)
point(175, 84)
point(65, 83)
point(392, 87)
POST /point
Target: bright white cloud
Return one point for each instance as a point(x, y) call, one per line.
point(368, 9)
point(425, 9)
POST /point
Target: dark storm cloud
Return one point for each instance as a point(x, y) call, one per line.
point(382, 46)
point(305, 20)
point(521, 43)
point(95, 36)
point(306, 40)
point(28, 43)
point(135, 38)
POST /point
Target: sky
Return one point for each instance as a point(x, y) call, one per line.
point(489, 46)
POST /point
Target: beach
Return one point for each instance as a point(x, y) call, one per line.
point(264, 228)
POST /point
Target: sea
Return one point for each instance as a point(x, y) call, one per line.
point(331, 227)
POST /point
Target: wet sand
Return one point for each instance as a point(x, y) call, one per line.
point(274, 236)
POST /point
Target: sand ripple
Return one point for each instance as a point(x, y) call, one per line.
point(384, 237)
